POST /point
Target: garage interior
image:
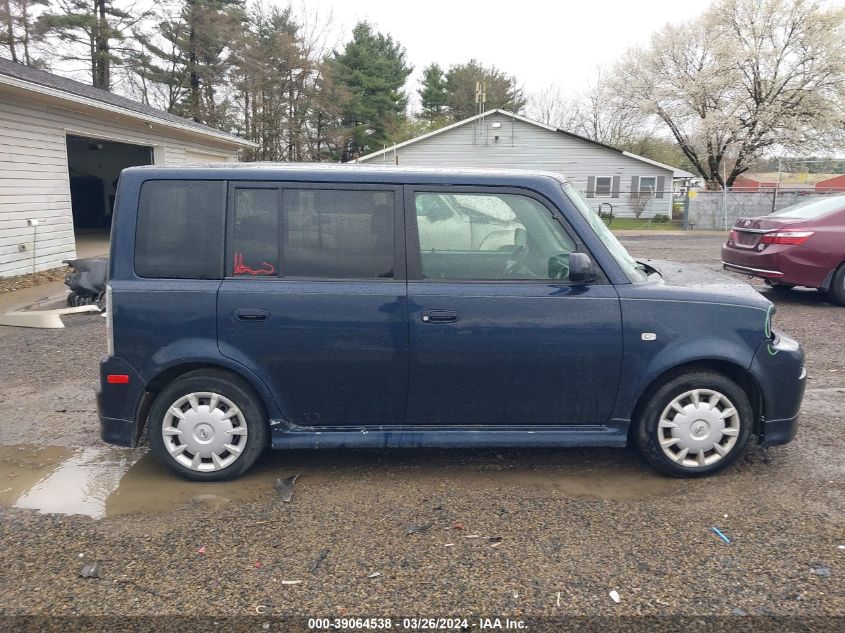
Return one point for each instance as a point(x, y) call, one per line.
point(94, 166)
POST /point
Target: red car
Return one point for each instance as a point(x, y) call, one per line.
point(801, 245)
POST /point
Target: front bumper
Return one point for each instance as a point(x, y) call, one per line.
point(775, 432)
point(118, 404)
point(778, 367)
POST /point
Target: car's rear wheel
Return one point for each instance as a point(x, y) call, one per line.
point(208, 425)
point(696, 424)
point(836, 292)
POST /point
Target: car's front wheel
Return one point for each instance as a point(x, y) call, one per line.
point(696, 424)
point(208, 425)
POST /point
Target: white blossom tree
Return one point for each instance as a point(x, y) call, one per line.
point(747, 76)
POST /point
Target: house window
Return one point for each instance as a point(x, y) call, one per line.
point(648, 185)
point(604, 187)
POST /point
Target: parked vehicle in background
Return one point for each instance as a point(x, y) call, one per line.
point(801, 245)
point(359, 307)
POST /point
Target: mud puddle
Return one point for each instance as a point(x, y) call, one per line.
point(107, 481)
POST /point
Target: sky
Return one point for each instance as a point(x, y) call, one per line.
point(541, 43)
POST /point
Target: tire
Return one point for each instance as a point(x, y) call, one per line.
point(698, 432)
point(836, 292)
point(205, 399)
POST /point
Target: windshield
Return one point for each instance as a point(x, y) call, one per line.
point(812, 208)
point(633, 270)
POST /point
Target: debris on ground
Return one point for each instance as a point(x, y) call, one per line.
point(738, 611)
point(459, 525)
point(315, 565)
point(720, 534)
point(375, 574)
point(291, 582)
point(821, 570)
point(495, 540)
point(91, 570)
point(284, 487)
point(201, 550)
point(472, 536)
point(449, 545)
point(418, 529)
point(258, 564)
point(614, 595)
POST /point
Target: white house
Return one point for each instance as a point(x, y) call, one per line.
point(497, 138)
point(62, 147)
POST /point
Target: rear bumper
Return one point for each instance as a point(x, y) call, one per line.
point(779, 262)
point(754, 272)
point(118, 404)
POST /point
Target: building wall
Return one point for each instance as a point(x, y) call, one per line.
point(522, 145)
point(34, 180)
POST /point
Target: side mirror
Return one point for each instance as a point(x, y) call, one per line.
point(581, 268)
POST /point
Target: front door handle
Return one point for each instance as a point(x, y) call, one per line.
point(252, 315)
point(439, 316)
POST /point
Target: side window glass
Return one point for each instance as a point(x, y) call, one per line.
point(489, 237)
point(256, 233)
point(337, 234)
point(180, 229)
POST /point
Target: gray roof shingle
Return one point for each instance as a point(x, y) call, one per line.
point(42, 78)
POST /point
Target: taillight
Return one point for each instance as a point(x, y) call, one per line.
point(733, 237)
point(109, 322)
point(787, 237)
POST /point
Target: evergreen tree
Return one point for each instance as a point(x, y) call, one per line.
point(503, 91)
point(433, 93)
point(371, 70)
point(190, 58)
point(17, 29)
point(94, 31)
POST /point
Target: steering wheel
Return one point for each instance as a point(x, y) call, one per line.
point(515, 263)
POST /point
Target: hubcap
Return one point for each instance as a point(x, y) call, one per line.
point(698, 428)
point(204, 431)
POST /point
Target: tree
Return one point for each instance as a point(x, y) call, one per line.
point(94, 31)
point(433, 93)
point(503, 90)
point(745, 77)
point(278, 71)
point(371, 71)
point(189, 58)
point(17, 29)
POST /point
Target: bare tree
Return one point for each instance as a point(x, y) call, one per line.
point(746, 76)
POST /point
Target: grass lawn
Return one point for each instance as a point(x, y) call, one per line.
point(643, 224)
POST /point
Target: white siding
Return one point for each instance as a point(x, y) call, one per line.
point(34, 181)
point(522, 145)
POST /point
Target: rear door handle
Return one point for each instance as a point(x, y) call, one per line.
point(252, 315)
point(439, 316)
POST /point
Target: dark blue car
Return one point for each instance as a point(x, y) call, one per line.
point(349, 306)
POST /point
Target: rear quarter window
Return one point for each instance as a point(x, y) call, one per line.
point(180, 229)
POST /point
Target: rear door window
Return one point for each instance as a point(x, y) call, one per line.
point(180, 229)
point(338, 234)
point(256, 232)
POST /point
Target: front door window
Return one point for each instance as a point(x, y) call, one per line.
point(489, 237)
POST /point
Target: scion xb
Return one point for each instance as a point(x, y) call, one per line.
point(358, 307)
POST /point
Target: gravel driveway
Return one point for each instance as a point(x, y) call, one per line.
point(534, 535)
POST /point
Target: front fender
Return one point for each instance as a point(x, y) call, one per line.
point(661, 335)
